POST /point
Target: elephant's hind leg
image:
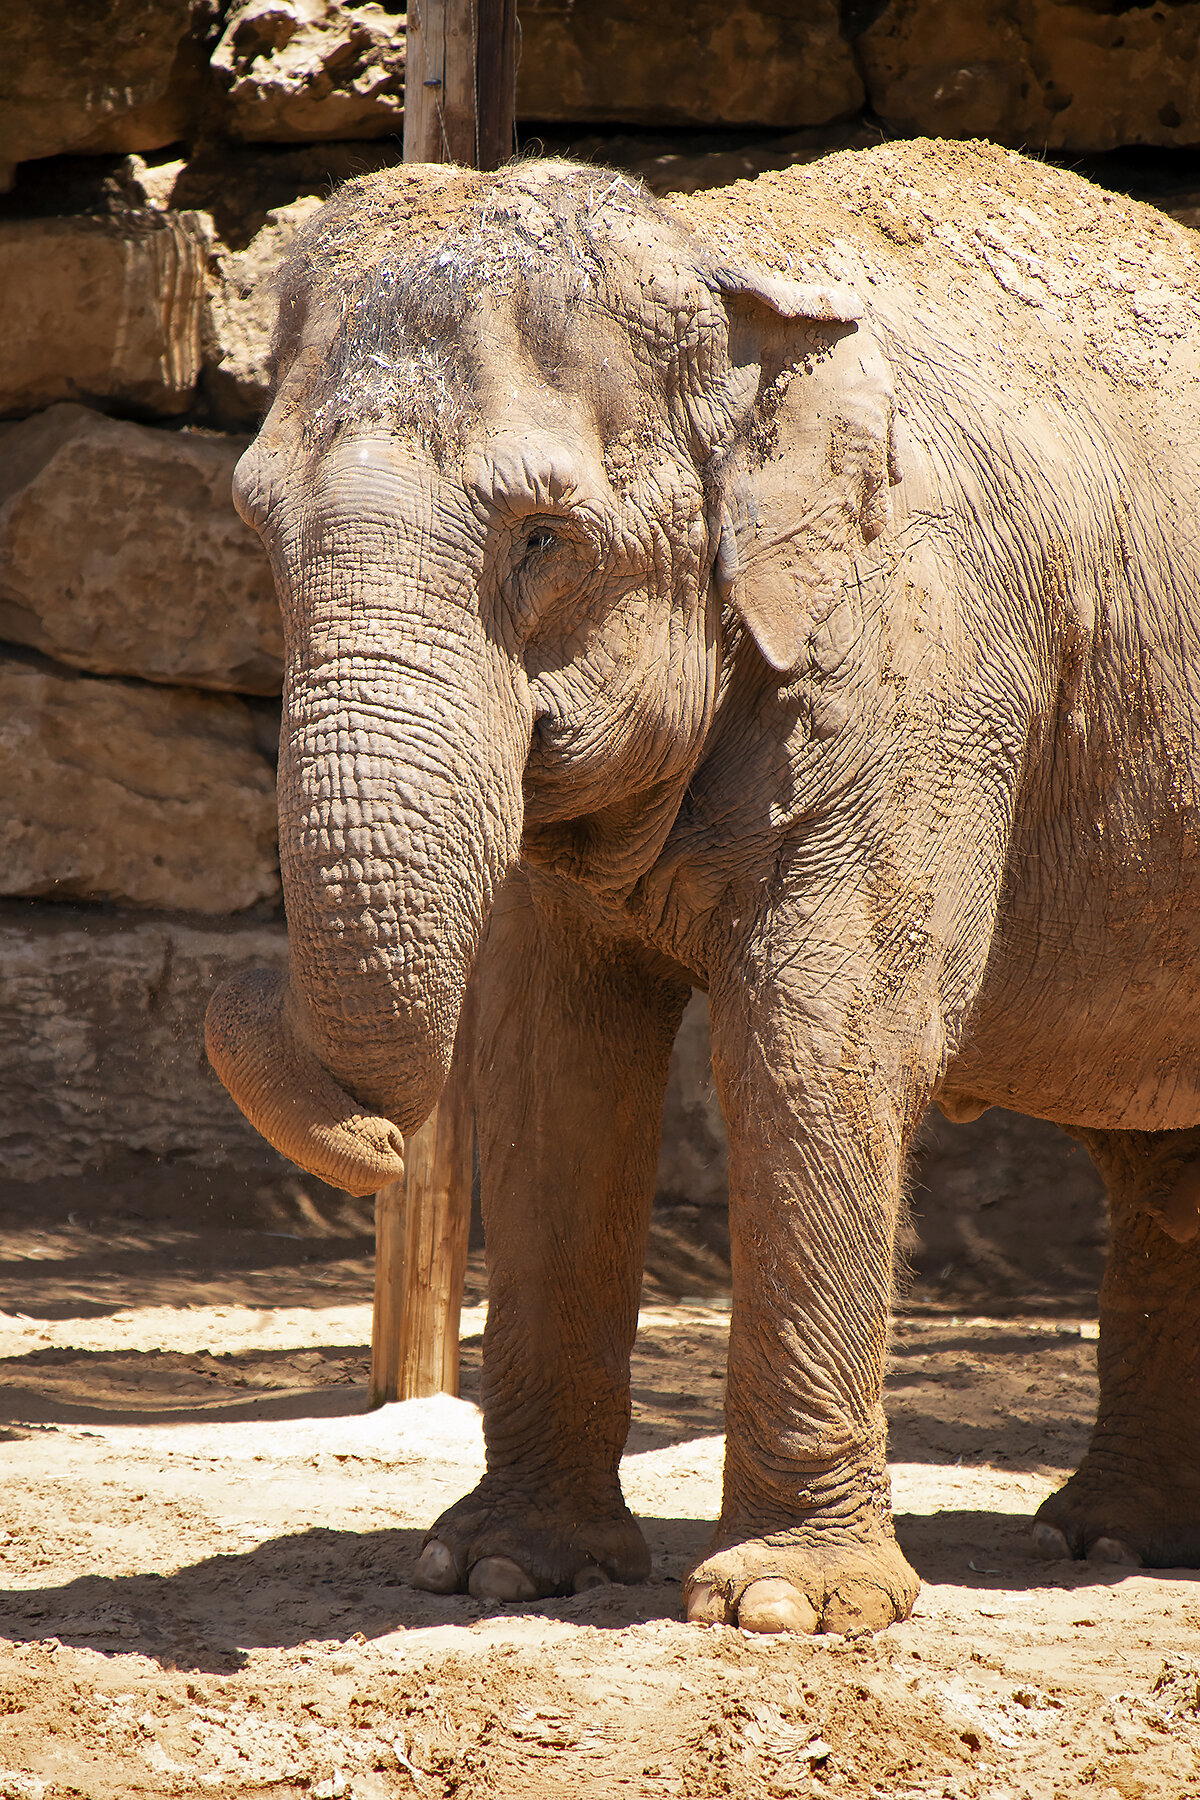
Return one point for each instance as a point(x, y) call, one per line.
point(1136, 1496)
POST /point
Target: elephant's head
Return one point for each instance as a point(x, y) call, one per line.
point(505, 462)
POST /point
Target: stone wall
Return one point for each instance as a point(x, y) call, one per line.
point(158, 155)
point(140, 645)
point(136, 75)
point(1038, 74)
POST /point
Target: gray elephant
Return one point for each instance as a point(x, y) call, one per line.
point(793, 592)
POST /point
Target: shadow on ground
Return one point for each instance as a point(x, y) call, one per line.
point(316, 1585)
point(328, 1585)
point(974, 1394)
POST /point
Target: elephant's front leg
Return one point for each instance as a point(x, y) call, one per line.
point(818, 1136)
point(575, 1039)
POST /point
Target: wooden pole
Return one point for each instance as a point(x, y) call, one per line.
point(496, 82)
point(459, 106)
point(421, 1228)
point(460, 82)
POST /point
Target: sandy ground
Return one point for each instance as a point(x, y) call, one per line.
point(204, 1540)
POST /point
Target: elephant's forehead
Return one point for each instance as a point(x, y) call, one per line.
point(506, 368)
point(517, 307)
point(551, 269)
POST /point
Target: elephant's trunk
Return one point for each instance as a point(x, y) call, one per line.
point(286, 1093)
point(401, 762)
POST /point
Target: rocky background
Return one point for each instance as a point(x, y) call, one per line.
point(155, 158)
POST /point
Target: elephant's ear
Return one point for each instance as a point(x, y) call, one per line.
point(824, 486)
point(824, 304)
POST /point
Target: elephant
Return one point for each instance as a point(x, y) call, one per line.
point(792, 592)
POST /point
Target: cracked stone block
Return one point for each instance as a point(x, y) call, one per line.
point(121, 553)
point(1037, 74)
point(125, 75)
point(146, 796)
point(294, 70)
point(109, 310)
point(101, 1040)
point(720, 62)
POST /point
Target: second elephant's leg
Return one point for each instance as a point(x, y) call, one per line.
point(575, 1038)
point(1135, 1497)
point(817, 1151)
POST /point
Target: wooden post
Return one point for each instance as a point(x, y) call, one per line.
point(421, 1229)
point(495, 82)
point(460, 82)
point(459, 106)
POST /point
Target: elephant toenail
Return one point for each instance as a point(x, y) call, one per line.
point(1114, 1550)
point(861, 1604)
point(499, 1578)
point(590, 1576)
point(704, 1604)
point(436, 1570)
point(1048, 1542)
point(776, 1605)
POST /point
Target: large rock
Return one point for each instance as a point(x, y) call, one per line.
point(1037, 74)
point(101, 309)
point(121, 553)
point(301, 69)
point(126, 75)
point(101, 1041)
point(717, 62)
point(119, 791)
point(239, 315)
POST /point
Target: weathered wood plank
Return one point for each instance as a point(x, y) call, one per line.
point(460, 82)
point(421, 1228)
point(496, 82)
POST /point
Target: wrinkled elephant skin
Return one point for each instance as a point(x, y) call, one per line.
point(791, 591)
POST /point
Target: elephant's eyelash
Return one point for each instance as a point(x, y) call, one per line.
point(540, 539)
point(552, 552)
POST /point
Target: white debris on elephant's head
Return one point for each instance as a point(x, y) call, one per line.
point(404, 271)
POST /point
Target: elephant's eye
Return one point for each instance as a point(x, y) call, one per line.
point(541, 539)
point(550, 562)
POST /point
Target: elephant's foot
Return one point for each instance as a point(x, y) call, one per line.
point(1111, 1516)
point(504, 1542)
point(808, 1580)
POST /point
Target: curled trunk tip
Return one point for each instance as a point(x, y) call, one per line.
point(286, 1092)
